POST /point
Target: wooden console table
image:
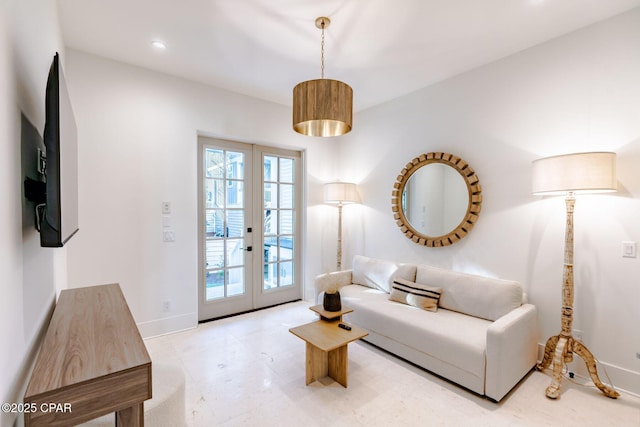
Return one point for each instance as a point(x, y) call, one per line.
point(92, 362)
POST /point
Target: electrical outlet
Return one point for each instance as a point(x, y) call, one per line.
point(166, 306)
point(629, 249)
point(578, 334)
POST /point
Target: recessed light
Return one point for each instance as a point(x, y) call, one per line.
point(159, 44)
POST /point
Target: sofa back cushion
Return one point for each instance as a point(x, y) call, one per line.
point(378, 273)
point(477, 296)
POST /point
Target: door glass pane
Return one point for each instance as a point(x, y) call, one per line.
point(215, 284)
point(286, 273)
point(235, 165)
point(285, 248)
point(270, 169)
point(214, 223)
point(235, 223)
point(270, 195)
point(286, 221)
point(235, 194)
point(235, 252)
point(286, 170)
point(270, 221)
point(235, 285)
point(214, 254)
point(270, 249)
point(214, 163)
point(214, 193)
point(286, 196)
point(270, 276)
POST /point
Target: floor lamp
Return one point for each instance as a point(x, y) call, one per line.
point(571, 174)
point(340, 194)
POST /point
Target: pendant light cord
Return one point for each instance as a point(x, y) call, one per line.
point(322, 52)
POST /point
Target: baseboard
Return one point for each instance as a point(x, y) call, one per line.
point(168, 325)
point(240, 313)
point(624, 380)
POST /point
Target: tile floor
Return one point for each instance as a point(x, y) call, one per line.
point(249, 370)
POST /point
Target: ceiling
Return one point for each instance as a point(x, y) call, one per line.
point(262, 48)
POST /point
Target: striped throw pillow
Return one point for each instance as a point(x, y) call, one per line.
point(416, 294)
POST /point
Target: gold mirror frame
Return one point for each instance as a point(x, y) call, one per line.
point(473, 208)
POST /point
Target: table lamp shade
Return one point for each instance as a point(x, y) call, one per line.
point(340, 193)
point(578, 173)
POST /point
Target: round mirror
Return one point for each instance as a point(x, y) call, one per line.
point(436, 199)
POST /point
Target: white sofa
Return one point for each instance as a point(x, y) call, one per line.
point(483, 336)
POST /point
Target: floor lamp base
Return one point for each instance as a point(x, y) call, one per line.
point(559, 350)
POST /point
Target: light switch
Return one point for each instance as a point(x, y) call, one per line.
point(629, 249)
point(166, 221)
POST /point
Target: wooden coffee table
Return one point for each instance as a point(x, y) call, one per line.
point(326, 348)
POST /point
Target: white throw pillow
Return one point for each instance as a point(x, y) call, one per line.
point(378, 273)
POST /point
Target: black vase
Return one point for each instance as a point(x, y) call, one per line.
point(332, 302)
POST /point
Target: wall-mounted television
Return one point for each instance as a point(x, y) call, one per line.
point(59, 217)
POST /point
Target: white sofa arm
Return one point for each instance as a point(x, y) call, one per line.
point(512, 350)
point(335, 280)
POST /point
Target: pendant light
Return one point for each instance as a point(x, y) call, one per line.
point(322, 107)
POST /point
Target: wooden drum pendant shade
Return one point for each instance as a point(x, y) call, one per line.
point(322, 107)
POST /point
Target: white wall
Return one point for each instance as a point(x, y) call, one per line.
point(30, 275)
point(577, 93)
point(137, 132)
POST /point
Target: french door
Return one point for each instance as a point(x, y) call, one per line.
point(249, 227)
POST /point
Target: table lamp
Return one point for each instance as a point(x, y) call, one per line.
point(569, 175)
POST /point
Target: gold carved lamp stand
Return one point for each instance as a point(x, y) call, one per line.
point(583, 172)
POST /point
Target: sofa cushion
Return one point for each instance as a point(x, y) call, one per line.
point(378, 273)
point(477, 296)
point(415, 294)
point(454, 338)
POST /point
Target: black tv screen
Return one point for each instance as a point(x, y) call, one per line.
point(60, 220)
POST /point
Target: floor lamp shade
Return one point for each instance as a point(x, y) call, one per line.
point(578, 173)
point(340, 193)
point(322, 107)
